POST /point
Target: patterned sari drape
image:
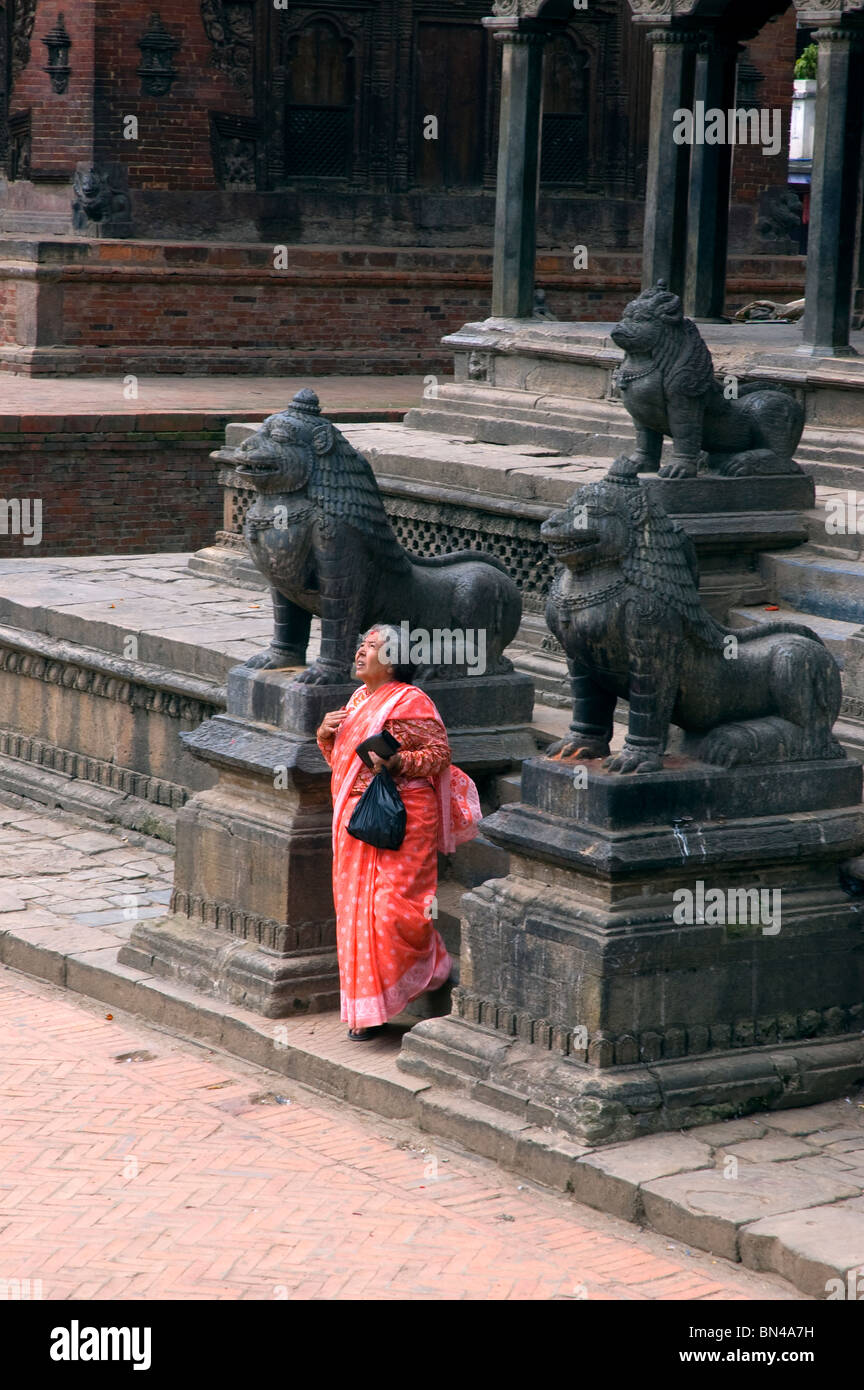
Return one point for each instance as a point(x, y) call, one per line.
point(389, 949)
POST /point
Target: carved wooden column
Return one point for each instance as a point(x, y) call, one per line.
point(710, 176)
point(664, 244)
point(834, 190)
point(518, 166)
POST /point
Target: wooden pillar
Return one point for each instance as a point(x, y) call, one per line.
point(708, 195)
point(834, 191)
point(518, 168)
point(664, 244)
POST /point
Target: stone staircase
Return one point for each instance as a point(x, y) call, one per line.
point(821, 584)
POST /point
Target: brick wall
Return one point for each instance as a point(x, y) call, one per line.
point(172, 150)
point(112, 485)
point(113, 307)
point(755, 177)
point(61, 123)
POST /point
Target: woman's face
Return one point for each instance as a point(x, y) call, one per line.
point(366, 662)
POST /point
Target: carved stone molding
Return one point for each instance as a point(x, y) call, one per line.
point(606, 1049)
point(23, 19)
point(230, 27)
point(248, 926)
point(79, 766)
point(116, 681)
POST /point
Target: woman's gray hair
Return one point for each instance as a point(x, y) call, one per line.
point(392, 651)
point(391, 642)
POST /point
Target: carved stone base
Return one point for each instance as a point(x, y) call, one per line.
point(253, 906)
point(253, 919)
point(236, 969)
point(605, 1107)
point(691, 914)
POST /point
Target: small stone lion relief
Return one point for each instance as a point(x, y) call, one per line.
point(625, 607)
point(99, 198)
point(319, 533)
point(668, 385)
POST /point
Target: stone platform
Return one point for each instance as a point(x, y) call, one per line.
point(593, 1000)
point(777, 1191)
point(520, 380)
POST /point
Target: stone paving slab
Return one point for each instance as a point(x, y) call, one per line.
point(20, 395)
point(810, 1248)
point(708, 1188)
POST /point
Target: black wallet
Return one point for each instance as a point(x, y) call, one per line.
point(384, 744)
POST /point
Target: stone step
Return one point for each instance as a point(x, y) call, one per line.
point(834, 633)
point(834, 458)
point(565, 436)
point(836, 525)
point(826, 586)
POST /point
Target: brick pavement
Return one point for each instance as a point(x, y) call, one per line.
point(135, 1166)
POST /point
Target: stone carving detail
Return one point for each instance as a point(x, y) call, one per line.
point(20, 146)
point(607, 1049)
point(58, 44)
point(780, 215)
point(108, 685)
point(100, 198)
point(23, 19)
point(749, 79)
point(234, 141)
point(265, 931)
point(158, 46)
point(320, 535)
point(625, 607)
point(230, 27)
point(434, 528)
point(668, 386)
point(478, 366)
point(96, 770)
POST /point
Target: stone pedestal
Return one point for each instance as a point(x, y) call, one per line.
point(252, 917)
point(587, 1003)
point(252, 908)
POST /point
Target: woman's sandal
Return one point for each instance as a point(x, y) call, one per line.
point(365, 1034)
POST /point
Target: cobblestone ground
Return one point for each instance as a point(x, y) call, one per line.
point(137, 1166)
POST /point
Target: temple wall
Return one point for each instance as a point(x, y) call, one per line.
point(113, 307)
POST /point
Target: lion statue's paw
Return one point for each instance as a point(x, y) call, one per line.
point(634, 760)
point(275, 659)
point(679, 468)
point(320, 673)
point(728, 745)
point(576, 748)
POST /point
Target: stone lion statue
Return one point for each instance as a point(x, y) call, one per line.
point(625, 607)
point(668, 385)
point(319, 533)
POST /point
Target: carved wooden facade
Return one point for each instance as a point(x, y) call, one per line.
point(343, 94)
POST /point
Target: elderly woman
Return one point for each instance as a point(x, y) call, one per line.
point(389, 950)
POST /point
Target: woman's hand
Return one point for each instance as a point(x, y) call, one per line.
point(331, 722)
point(392, 764)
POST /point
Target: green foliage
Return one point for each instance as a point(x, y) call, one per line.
point(806, 64)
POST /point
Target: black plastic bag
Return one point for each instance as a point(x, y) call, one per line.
point(380, 816)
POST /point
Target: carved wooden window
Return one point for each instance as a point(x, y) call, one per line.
point(564, 152)
point(450, 84)
point(319, 108)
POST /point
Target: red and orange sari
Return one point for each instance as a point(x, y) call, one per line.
point(389, 949)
